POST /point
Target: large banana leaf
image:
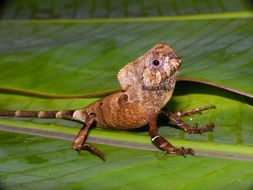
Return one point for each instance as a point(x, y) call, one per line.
point(83, 56)
point(69, 54)
point(44, 163)
point(39, 9)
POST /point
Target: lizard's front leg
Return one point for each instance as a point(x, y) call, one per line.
point(161, 142)
point(175, 117)
point(193, 111)
point(79, 142)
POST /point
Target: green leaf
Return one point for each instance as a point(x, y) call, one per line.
point(27, 161)
point(39, 9)
point(75, 57)
point(232, 119)
point(71, 57)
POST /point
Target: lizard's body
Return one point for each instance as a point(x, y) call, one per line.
point(114, 111)
point(147, 85)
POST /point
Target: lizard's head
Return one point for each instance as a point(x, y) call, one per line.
point(155, 70)
point(161, 68)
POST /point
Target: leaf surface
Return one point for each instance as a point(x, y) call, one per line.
point(62, 9)
point(28, 160)
point(75, 57)
point(72, 57)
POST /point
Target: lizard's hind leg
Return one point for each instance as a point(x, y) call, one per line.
point(162, 143)
point(79, 142)
point(175, 117)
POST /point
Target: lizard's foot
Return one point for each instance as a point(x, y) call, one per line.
point(196, 130)
point(179, 151)
point(183, 151)
point(164, 145)
point(91, 148)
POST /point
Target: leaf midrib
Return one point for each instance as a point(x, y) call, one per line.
point(210, 16)
point(212, 149)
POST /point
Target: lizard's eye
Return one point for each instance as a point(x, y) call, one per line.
point(156, 62)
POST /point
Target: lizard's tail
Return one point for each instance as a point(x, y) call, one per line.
point(40, 114)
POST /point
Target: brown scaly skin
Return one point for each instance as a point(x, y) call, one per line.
point(147, 85)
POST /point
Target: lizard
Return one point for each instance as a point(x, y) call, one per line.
point(147, 85)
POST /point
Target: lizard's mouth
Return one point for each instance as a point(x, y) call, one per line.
point(175, 66)
point(179, 61)
point(173, 73)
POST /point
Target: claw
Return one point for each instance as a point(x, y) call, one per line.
point(191, 151)
point(91, 148)
point(208, 127)
point(196, 130)
point(182, 151)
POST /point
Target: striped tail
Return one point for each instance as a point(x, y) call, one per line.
point(40, 114)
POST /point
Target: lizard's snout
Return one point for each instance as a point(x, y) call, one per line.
point(179, 60)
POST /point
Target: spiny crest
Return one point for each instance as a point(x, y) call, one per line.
point(126, 76)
